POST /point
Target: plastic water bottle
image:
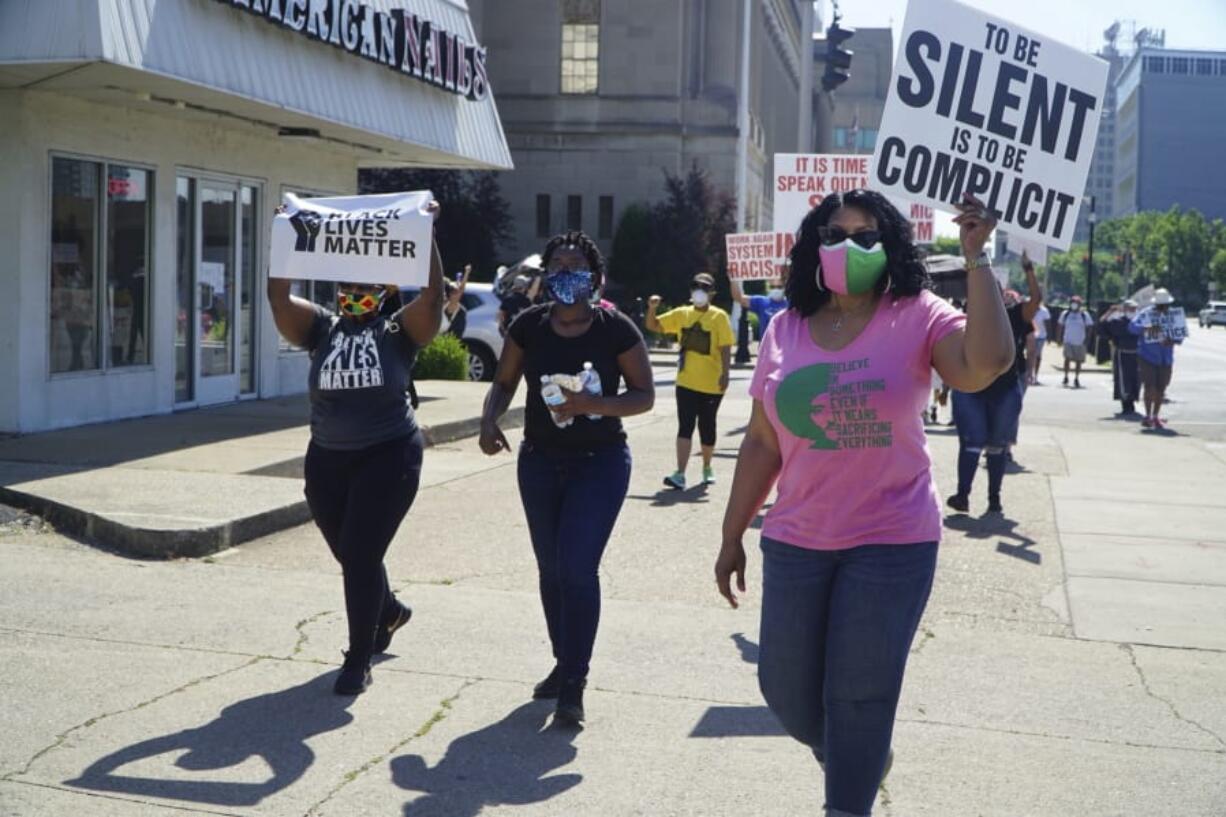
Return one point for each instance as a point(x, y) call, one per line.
point(591, 383)
point(551, 393)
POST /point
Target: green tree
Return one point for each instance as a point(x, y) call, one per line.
point(630, 263)
point(1217, 270)
point(475, 219)
point(945, 245)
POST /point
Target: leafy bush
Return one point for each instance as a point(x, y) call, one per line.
point(445, 358)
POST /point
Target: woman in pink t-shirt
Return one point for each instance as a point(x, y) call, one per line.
point(849, 546)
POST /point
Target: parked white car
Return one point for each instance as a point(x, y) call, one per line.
point(481, 336)
point(1214, 313)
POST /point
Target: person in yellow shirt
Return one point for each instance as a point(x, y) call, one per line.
point(706, 340)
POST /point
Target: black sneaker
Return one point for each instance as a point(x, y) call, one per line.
point(994, 505)
point(383, 636)
point(354, 676)
point(570, 703)
point(548, 689)
point(959, 502)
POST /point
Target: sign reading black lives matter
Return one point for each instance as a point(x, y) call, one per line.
point(383, 239)
point(980, 105)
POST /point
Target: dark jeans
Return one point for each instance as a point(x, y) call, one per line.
point(572, 500)
point(836, 631)
point(358, 499)
point(986, 420)
point(695, 407)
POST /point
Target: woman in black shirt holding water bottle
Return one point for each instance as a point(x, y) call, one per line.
point(574, 464)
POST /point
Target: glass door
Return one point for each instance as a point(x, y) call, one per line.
point(216, 290)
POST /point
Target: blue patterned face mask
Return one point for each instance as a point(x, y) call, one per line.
point(569, 287)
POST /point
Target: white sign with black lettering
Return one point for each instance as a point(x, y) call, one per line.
point(983, 106)
point(381, 239)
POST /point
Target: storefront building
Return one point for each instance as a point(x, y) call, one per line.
point(146, 143)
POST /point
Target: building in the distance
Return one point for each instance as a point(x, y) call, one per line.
point(600, 97)
point(851, 116)
point(1169, 132)
point(1100, 186)
point(145, 145)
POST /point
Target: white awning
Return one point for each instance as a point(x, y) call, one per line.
point(247, 60)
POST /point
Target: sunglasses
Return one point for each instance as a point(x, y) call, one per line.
point(830, 236)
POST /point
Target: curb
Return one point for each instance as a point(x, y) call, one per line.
point(147, 543)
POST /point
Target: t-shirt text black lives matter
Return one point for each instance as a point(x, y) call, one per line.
point(359, 371)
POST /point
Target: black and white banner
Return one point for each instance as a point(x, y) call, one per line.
point(980, 105)
point(383, 239)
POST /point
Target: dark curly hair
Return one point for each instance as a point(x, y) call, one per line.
point(582, 242)
point(905, 273)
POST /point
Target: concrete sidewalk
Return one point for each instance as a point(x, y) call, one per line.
point(194, 483)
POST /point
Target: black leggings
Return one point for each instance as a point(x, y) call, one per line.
point(697, 407)
point(358, 499)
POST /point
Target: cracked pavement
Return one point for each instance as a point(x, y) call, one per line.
point(1072, 660)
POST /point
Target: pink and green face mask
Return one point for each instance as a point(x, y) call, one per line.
point(850, 269)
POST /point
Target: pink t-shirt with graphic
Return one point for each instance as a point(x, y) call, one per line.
point(856, 469)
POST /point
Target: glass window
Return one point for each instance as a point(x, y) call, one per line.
point(574, 212)
point(248, 302)
point(543, 216)
point(1221, 67)
point(128, 212)
point(868, 138)
point(215, 280)
point(1204, 67)
point(605, 227)
point(840, 137)
point(580, 58)
point(1155, 65)
point(1179, 65)
point(75, 197)
point(185, 262)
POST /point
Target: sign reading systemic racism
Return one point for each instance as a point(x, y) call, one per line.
point(757, 256)
point(803, 180)
point(383, 239)
point(398, 39)
point(980, 105)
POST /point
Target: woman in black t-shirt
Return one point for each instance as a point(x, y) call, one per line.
point(363, 465)
point(574, 464)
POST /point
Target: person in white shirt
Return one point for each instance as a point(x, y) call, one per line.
point(1040, 340)
point(1075, 326)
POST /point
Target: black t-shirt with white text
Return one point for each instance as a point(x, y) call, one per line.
point(548, 353)
point(359, 371)
point(1020, 328)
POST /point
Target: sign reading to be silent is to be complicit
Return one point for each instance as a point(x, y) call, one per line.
point(398, 39)
point(983, 106)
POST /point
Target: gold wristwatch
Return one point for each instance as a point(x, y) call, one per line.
point(981, 261)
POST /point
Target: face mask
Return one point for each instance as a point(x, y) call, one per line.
point(776, 295)
point(569, 287)
point(358, 304)
point(849, 269)
point(699, 297)
point(1076, 307)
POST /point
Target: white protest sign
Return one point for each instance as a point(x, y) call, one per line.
point(922, 218)
point(802, 180)
point(980, 105)
point(757, 256)
point(381, 239)
point(1171, 324)
point(1036, 251)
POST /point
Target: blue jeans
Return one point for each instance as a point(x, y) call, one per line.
point(837, 628)
point(572, 500)
point(986, 421)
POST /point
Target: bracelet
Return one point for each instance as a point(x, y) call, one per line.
point(978, 263)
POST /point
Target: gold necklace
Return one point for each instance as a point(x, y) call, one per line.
point(838, 322)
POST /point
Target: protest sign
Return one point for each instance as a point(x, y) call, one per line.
point(979, 105)
point(1171, 324)
point(1036, 251)
point(757, 256)
point(382, 239)
point(922, 218)
point(802, 180)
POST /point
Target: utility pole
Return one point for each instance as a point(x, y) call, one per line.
point(1093, 219)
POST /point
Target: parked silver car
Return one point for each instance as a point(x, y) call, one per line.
point(1214, 313)
point(481, 336)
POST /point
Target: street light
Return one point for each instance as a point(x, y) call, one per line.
point(1093, 219)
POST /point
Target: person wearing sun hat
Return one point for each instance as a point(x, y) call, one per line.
point(1155, 354)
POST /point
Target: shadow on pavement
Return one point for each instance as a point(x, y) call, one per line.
point(668, 497)
point(274, 727)
point(992, 526)
point(748, 649)
point(738, 722)
point(506, 763)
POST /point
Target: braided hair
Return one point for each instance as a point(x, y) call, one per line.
point(582, 242)
point(905, 272)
